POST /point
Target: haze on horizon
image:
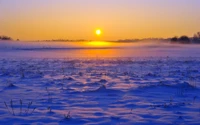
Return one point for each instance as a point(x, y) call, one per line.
point(78, 19)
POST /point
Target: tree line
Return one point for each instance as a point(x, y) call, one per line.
point(183, 39)
point(187, 40)
point(5, 38)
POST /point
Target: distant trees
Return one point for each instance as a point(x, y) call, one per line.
point(174, 39)
point(186, 40)
point(196, 38)
point(5, 38)
point(183, 39)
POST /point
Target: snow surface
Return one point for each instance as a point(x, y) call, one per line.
point(157, 89)
point(23, 49)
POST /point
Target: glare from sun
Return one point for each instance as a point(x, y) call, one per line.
point(98, 44)
point(98, 32)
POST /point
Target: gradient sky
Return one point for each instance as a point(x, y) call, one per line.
point(118, 19)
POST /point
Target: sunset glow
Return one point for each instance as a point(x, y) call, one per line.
point(99, 44)
point(120, 19)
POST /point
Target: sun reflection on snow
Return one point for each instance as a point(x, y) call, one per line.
point(99, 44)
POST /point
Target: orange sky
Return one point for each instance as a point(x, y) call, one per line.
point(77, 19)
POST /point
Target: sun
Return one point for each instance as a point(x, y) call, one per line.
point(98, 32)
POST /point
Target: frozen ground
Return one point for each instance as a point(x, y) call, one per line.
point(139, 91)
point(158, 85)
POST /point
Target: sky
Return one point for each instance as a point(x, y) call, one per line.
point(118, 19)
